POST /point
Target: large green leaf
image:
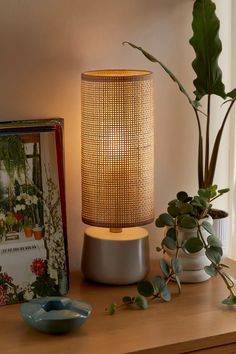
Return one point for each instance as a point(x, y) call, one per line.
point(207, 46)
point(150, 57)
point(232, 93)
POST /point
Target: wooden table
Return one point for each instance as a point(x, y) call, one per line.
point(193, 322)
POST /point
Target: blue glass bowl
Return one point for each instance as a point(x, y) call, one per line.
point(55, 314)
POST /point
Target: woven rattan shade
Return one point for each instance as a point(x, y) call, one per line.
point(117, 148)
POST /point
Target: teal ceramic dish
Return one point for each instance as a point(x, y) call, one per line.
point(55, 314)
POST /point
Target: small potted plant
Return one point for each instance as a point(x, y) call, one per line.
point(190, 248)
point(208, 82)
point(190, 236)
point(28, 226)
point(38, 232)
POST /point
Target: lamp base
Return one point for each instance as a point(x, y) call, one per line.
point(115, 258)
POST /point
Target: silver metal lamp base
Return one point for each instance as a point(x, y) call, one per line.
point(115, 258)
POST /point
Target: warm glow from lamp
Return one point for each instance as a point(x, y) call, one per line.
point(117, 150)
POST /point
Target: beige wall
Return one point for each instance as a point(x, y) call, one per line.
point(46, 44)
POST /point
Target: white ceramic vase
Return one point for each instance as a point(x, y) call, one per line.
point(193, 264)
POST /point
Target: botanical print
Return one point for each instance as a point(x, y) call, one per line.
point(32, 242)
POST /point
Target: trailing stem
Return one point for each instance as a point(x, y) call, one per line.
point(216, 146)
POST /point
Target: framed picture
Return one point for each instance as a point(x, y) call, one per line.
point(33, 243)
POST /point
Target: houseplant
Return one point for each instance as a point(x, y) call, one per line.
point(208, 82)
point(189, 213)
point(185, 211)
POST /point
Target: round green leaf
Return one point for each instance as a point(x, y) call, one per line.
point(182, 196)
point(210, 270)
point(186, 208)
point(126, 299)
point(165, 294)
point(214, 254)
point(188, 222)
point(171, 233)
point(173, 210)
point(166, 219)
point(159, 223)
point(204, 193)
point(208, 227)
point(145, 288)
point(164, 267)
point(230, 300)
point(192, 245)
point(214, 241)
point(176, 265)
point(158, 283)
point(112, 309)
point(141, 302)
point(161, 287)
point(169, 243)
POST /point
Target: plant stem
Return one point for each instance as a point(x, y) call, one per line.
point(216, 146)
point(229, 287)
point(207, 147)
point(200, 151)
point(201, 237)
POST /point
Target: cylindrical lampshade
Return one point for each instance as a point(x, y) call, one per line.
point(117, 148)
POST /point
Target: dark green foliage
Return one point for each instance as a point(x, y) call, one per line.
point(161, 288)
point(210, 270)
point(214, 254)
point(192, 245)
point(164, 267)
point(12, 154)
point(207, 46)
point(45, 286)
point(141, 302)
point(230, 300)
point(145, 288)
point(169, 243)
point(176, 266)
point(112, 309)
point(208, 81)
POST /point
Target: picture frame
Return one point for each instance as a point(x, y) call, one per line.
point(33, 237)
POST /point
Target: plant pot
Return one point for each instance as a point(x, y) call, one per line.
point(193, 264)
point(38, 233)
point(28, 230)
point(221, 227)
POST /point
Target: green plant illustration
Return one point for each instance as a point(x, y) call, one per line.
point(53, 223)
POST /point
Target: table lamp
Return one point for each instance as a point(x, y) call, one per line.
point(117, 174)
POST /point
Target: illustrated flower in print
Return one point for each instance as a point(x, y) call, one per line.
point(38, 267)
point(19, 216)
point(4, 299)
point(7, 289)
point(28, 295)
point(6, 278)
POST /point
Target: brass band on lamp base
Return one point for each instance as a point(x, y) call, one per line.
point(115, 258)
